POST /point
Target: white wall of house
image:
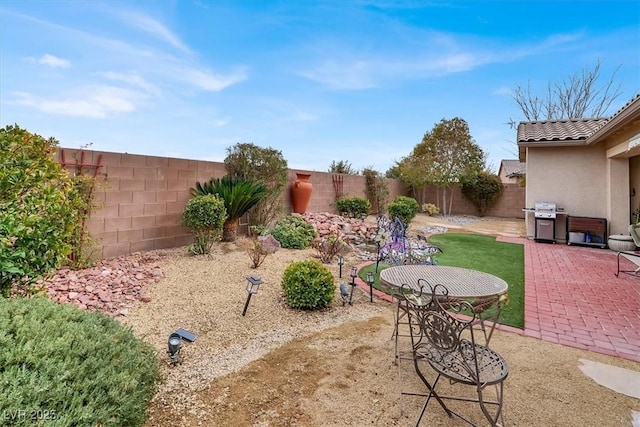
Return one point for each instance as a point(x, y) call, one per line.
point(572, 177)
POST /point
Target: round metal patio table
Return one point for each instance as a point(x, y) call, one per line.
point(460, 282)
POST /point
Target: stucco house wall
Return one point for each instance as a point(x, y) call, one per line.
point(589, 167)
point(571, 177)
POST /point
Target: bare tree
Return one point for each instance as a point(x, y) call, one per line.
point(577, 96)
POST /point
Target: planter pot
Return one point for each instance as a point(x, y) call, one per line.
point(301, 190)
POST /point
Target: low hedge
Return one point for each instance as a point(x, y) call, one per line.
point(61, 366)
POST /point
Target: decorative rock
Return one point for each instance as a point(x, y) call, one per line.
point(145, 298)
point(73, 295)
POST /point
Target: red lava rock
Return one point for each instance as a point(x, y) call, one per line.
point(111, 286)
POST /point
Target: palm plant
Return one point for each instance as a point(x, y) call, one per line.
point(239, 195)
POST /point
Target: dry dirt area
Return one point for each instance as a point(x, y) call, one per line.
point(282, 367)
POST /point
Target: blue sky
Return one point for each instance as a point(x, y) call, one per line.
point(360, 81)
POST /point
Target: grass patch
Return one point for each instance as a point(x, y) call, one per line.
point(60, 366)
point(482, 253)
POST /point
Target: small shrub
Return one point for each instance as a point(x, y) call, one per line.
point(204, 216)
point(404, 208)
point(308, 285)
point(483, 191)
point(353, 207)
point(430, 209)
point(258, 247)
point(329, 247)
point(82, 368)
point(293, 232)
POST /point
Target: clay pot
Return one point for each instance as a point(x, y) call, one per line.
point(301, 190)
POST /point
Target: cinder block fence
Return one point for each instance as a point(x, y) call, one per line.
point(141, 198)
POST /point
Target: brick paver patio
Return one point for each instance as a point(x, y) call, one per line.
point(572, 297)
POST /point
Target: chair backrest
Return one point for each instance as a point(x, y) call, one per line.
point(443, 326)
point(634, 234)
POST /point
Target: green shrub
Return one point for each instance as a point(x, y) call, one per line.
point(404, 208)
point(204, 216)
point(353, 207)
point(77, 368)
point(483, 190)
point(293, 232)
point(308, 285)
point(37, 213)
point(430, 209)
point(377, 189)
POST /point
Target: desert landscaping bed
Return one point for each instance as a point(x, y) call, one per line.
point(282, 367)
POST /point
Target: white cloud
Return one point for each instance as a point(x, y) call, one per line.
point(155, 28)
point(95, 102)
point(354, 75)
point(301, 116)
point(54, 61)
point(132, 79)
point(207, 80)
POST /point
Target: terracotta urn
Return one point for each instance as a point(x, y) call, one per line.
point(301, 190)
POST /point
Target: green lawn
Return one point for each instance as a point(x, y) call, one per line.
point(483, 253)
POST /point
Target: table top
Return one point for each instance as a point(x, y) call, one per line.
point(461, 282)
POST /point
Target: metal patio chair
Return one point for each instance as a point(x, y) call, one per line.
point(633, 256)
point(443, 339)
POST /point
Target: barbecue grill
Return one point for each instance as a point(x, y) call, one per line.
point(545, 214)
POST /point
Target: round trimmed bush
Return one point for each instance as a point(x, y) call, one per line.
point(405, 208)
point(293, 232)
point(204, 215)
point(72, 367)
point(308, 285)
point(353, 207)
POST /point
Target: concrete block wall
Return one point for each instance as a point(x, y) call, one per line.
point(141, 198)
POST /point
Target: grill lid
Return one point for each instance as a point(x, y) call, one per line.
point(545, 210)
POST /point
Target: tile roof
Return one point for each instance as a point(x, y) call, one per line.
point(559, 130)
point(514, 167)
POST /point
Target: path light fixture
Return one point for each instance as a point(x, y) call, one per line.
point(353, 274)
point(344, 292)
point(370, 281)
point(174, 344)
point(253, 284)
point(340, 264)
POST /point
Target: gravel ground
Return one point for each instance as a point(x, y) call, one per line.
point(282, 367)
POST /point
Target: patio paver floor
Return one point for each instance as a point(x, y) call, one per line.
point(572, 297)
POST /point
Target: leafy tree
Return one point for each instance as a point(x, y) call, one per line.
point(239, 195)
point(446, 156)
point(251, 162)
point(37, 215)
point(342, 166)
point(576, 96)
point(483, 190)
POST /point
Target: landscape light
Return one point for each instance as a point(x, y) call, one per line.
point(174, 344)
point(370, 281)
point(253, 284)
point(340, 264)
